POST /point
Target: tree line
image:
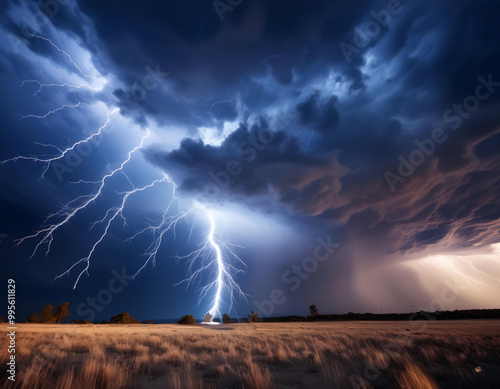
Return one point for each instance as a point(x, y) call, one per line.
point(48, 316)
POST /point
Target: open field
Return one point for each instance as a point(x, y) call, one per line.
point(443, 354)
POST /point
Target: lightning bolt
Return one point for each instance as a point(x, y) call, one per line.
point(476, 270)
point(309, 140)
point(60, 50)
point(68, 211)
point(114, 212)
point(215, 255)
point(461, 274)
point(169, 223)
point(203, 118)
point(211, 255)
point(53, 111)
point(46, 161)
point(42, 85)
point(220, 265)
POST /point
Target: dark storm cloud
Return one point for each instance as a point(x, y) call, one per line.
point(436, 63)
point(322, 117)
point(345, 123)
point(214, 62)
point(263, 158)
point(224, 110)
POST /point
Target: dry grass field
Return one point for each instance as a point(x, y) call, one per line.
point(457, 354)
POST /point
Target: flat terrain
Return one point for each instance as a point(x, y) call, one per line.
point(430, 354)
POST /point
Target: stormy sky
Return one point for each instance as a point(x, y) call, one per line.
point(348, 150)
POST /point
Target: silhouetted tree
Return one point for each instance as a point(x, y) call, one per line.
point(226, 319)
point(149, 321)
point(253, 317)
point(62, 312)
point(47, 314)
point(2, 320)
point(207, 318)
point(33, 318)
point(188, 319)
point(123, 318)
point(314, 311)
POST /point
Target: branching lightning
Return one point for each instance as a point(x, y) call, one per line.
point(46, 161)
point(212, 255)
point(167, 223)
point(459, 273)
point(41, 86)
point(69, 211)
point(114, 212)
point(60, 50)
point(478, 271)
point(53, 111)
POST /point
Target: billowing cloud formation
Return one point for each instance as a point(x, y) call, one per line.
point(376, 120)
point(355, 128)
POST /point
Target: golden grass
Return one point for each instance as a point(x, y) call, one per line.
point(259, 356)
point(414, 378)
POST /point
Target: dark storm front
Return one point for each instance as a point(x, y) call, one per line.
point(297, 274)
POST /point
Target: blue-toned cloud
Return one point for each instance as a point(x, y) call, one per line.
point(265, 111)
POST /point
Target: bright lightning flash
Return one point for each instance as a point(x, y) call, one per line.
point(216, 255)
point(212, 255)
point(78, 103)
point(70, 210)
point(114, 212)
point(46, 161)
point(60, 50)
point(65, 84)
